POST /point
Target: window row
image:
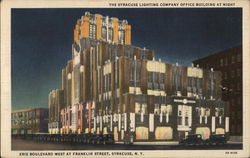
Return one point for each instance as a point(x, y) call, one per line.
point(24, 114)
point(201, 111)
point(156, 77)
point(233, 59)
point(134, 70)
point(163, 109)
point(232, 73)
point(24, 122)
point(156, 86)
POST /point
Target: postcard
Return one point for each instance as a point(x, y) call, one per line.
point(125, 78)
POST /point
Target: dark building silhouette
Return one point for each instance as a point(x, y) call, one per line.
point(229, 62)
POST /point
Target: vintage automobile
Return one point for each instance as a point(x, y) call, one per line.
point(108, 139)
point(100, 139)
point(217, 139)
point(195, 139)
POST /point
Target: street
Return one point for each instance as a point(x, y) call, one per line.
point(22, 144)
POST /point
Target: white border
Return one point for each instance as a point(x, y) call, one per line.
point(6, 6)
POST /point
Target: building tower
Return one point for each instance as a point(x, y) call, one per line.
point(113, 87)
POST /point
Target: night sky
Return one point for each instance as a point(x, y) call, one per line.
point(41, 41)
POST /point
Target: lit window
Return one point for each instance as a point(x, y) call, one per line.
point(207, 112)
point(144, 109)
point(216, 112)
point(157, 109)
point(169, 109)
point(221, 62)
point(203, 110)
point(137, 108)
point(163, 109)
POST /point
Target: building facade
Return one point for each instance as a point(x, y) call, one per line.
point(29, 121)
point(56, 103)
point(114, 87)
point(229, 63)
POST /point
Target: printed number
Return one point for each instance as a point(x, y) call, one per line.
point(232, 152)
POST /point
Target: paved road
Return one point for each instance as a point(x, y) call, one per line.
point(21, 144)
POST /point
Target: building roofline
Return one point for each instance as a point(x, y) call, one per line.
point(217, 53)
point(28, 109)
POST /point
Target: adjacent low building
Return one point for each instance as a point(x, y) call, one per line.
point(29, 121)
point(111, 86)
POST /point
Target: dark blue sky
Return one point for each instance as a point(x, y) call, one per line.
point(41, 41)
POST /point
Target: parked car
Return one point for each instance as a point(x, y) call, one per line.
point(195, 139)
point(217, 139)
point(100, 138)
point(108, 139)
point(91, 138)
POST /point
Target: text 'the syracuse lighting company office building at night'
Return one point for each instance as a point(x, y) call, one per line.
point(111, 86)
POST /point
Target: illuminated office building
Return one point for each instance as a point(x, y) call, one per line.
point(111, 86)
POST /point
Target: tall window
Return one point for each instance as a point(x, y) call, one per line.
point(104, 33)
point(157, 109)
point(177, 78)
point(238, 58)
point(232, 73)
point(134, 73)
point(221, 62)
point(238, 72)
point(226, 61)
point(110, 34)
point(219, 112)
point(207, 112)
point(180, 113)
point(91, 30)
point(141, 108)
point(233, 59)
point(166, 109)
point(131, 72)
point(121, 36)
